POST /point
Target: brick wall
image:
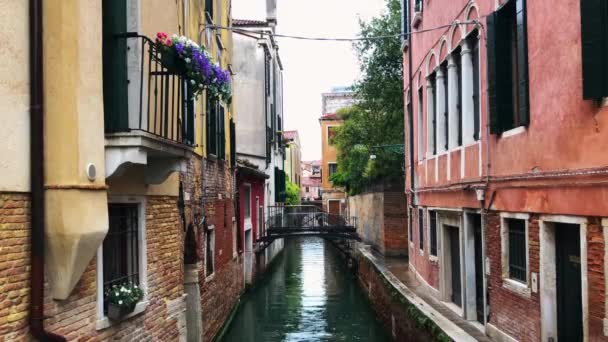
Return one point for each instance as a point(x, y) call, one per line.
point(507, 307)
point(388, 304)
point(220, 291)
point(428, 269)
point(395, 223)
point(76, 317)
point(14, 265)
point(596, 279)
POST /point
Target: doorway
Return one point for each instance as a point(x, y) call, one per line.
point(563, 278)
point(248, 262)
point(568, 282)
point(479, 287)
point(333, 208)
point(454, 247)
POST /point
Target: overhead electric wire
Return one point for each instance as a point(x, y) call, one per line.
point(398, 35)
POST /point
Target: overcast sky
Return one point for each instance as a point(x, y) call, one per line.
point(312, 68)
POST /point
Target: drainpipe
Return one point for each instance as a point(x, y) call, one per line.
point(37, 177)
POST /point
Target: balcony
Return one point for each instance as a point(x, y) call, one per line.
point(149, 119)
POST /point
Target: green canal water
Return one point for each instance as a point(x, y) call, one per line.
point(308, 295)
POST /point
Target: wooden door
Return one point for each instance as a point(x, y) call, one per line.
point(568, 279)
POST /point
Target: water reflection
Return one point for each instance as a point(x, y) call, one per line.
point(309, 295)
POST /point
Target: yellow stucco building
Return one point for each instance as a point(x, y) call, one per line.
point(101, 163)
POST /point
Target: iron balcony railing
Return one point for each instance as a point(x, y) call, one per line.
point(142, 94)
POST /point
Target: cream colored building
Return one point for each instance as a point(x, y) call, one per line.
point(117, 133)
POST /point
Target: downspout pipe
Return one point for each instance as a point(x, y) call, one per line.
point(36, 316)
point(410, 114)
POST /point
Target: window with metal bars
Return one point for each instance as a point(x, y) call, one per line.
point(474, 44)
point(421, 228)
point(517, 249)
point(433, 232)
point(121, 247)
point(410, 229)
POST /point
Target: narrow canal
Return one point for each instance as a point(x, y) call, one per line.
point(309, 295)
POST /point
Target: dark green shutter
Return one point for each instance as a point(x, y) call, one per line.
point(522, 62)
point(188, 119)
point(221, 136)
point(114, 50)
point(499, 70)
point(232, 143)
point(594, 24)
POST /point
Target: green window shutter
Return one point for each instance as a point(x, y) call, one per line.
point(499, 70)
point(277, 190)
point(232, 143)
point(522, 62)
point(594, 24)
point(221, 137)
point(188, 119)
point(114, 51)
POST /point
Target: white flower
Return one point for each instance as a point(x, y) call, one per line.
point(128, 291)
point(135, 286)
point(116, 294)
point(174, 36)
point(200, 85)
point(182, 39)
point(120, 302)
point(187, 60)
point(192, 82)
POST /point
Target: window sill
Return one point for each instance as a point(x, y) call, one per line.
point(433, 258)
point(517, 287)
point(105, 322)
point(513, 132)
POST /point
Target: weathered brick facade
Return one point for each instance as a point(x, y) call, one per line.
point(221, 290)
point(76, 318)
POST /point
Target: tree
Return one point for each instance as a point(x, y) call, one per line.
point(293, 193)
point(377, 119)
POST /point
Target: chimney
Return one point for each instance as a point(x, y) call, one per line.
point(271, 12)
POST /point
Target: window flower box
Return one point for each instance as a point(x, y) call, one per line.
point(122, 300)
point(181, 55)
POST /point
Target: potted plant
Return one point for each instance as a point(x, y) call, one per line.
point(182, 56)
point(122, 299)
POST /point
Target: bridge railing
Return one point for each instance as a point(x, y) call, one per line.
point(305, 217)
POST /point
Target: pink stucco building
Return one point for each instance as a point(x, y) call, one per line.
point(507, 173)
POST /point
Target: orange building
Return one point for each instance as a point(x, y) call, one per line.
point(332, 197)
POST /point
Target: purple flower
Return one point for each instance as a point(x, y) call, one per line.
point(179, 48)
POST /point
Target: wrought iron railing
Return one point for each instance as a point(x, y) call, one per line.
point(306, 217)
point(150, 97)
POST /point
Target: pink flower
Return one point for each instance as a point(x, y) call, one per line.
point(168, 42)
point(161, 36)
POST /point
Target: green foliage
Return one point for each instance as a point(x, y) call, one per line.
point(293, 193)
point(377, 119)
point(125, 295)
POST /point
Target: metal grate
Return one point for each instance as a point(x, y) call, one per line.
point(121, 247)
point(517, 249)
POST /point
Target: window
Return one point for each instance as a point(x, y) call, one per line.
point(331, 133)
point(594, 20)
point(410, 229)
point(421, 228)
point(210, 251)
point(508, 67)
point(333, 168)
point(474, 44)
point(209, 7)
point(247, 202)
point(307, 189)
point(405, 19)
point(120, 248)
point(279, 185)
point(433, 232)
point(517, 249)
point(216, 132)
point(418, 6)
point(420, 147)
point(431, 116)
point(442, 107)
